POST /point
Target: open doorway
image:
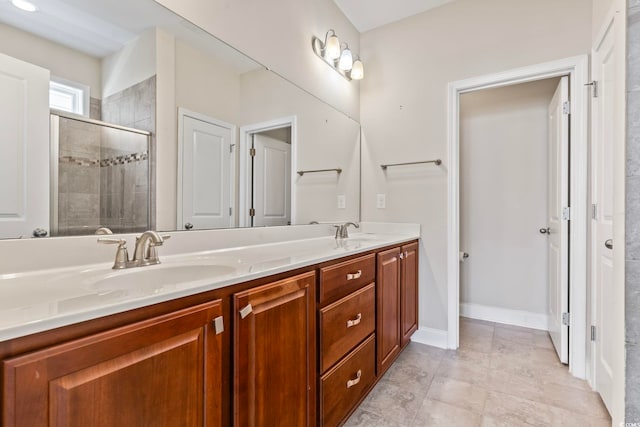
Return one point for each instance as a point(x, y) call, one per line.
point(266, 162)
point(576, 68)
point(514, 170)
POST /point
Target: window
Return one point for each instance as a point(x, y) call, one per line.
point(69, 96)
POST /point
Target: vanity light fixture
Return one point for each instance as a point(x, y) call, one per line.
point(340, 59)
point(24, 5)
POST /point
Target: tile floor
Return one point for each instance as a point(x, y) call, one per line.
point(500, 376)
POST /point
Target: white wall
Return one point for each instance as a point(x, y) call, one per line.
point(135, 62)
point(503, 196)
point(205, 85)
point(404, 105)
point(277, 33)
point(62, 61)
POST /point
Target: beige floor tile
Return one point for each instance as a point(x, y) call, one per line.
point(515, 385)
point(433, 413)
point(477, 357)
point(476, 343)
point(363, 418)
point(506, 410)
point(563, 418)
point(458, 393)
point(463, 370)
point(543, 341)
point(520, 335)
point(394, 401)
point(575, 400)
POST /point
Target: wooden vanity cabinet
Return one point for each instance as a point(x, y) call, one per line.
point(397, 302)
point(409, 291)
point(164, 371)
point(274, 354)
point(347, 324)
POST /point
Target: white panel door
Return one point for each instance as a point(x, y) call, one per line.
point(604, 72)
point(271, 181)
point(206, 175)
point(558, 227)
point(24, 148)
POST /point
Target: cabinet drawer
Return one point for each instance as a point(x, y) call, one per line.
point(343, 386)
point(339, 280)
point(345, 323)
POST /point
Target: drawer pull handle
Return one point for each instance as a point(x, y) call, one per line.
point(353, 276)
point(356, 380)
point(355, 321)
point(244, 312)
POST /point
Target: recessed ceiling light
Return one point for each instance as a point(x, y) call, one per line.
point(24, 5)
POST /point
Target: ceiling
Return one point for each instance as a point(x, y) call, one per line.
point(366, 15)
point(99, 28)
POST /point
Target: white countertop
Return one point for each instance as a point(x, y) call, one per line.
point(37, 301)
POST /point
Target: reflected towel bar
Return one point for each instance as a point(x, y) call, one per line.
point(437, 162)
point(338, 170)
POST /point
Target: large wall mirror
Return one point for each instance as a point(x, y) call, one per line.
point(124, 115)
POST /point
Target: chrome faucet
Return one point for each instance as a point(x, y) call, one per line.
point(342, 231)
point(144, 254)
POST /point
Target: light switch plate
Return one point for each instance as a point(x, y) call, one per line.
point(342, 201)
point(381, 201)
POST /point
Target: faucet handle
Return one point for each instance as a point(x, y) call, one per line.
point(122, 255)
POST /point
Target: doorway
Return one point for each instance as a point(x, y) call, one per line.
point(577, 70)
point(267, 155)
point(511, 198)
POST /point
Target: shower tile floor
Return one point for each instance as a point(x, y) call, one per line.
point(500, 376)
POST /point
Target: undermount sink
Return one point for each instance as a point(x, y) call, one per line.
point(155, 278)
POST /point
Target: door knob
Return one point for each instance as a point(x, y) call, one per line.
point(188, 226)
point(609, 243)
point(545, 230)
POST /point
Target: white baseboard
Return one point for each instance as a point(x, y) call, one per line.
point(430, 336)
point(504, 315)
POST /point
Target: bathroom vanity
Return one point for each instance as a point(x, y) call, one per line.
point(272, 340)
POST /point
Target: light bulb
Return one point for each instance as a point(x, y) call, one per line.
point(357, 72)
point(24, 5)
point(332, 48)
point(346, 60)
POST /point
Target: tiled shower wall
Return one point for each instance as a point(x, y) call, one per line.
point(104, 172)
point(78, 178)
point(632, 263)
point(124, 190)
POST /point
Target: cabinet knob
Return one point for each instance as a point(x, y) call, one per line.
point(354, 322)
point(353, 276)
point(356, 380)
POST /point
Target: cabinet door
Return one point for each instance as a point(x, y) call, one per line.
point(388, 307)
point(409, 292)
point(274, 357)
point(164, 371)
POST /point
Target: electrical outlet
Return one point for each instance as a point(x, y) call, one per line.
point(381, 201)
point(342, 201)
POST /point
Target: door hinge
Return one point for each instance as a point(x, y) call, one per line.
point(230, 211)
point(594, 211)
point(252, 152)
point(593, 332)
point(566, 319)
point(231, 148)
point(252, 212)
point(566, 213)
point(566, 107)
point(594, 91)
